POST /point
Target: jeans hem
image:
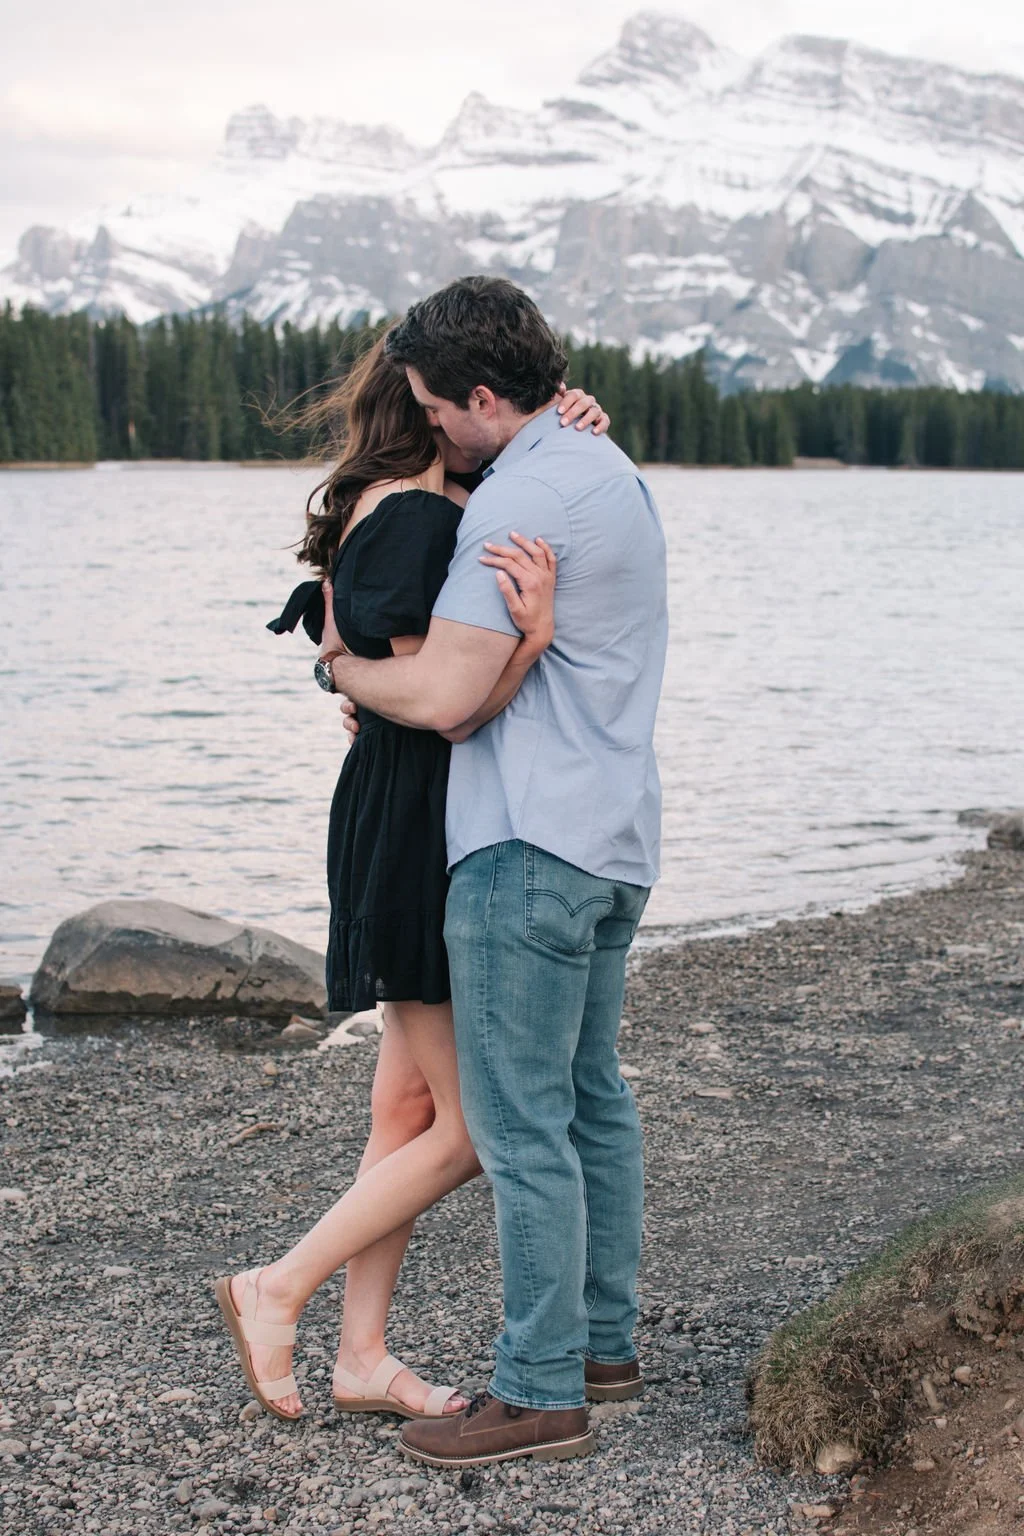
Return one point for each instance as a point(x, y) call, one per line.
point(611, 1359)
point(517, 1400)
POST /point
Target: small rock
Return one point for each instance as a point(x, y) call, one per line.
point(600, 1413)
point(271, 1069)
point(183, 1492)
point(12, 1004)
point(816, 1511)
point(364, 1024)
point(925, 1464)
point(963, 1374)
point(251, 1411)
point(178, 1395)
point(941, 1423)
point(627, 1071)
point(211, 1509)
point(117, 1272)
point(13, 1448)
point(702, 1027)
point(713, 1093)
point(1018, 1426)
point(299, 1030)
point(931, 1397)
point(12, 1197)
point(836, 1457)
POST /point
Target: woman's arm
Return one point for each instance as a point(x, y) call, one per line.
point(530, 599)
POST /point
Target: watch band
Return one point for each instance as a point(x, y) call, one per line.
point(323, 670)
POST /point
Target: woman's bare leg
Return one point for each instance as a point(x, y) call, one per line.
point(385, 1198)
point(402, 1109)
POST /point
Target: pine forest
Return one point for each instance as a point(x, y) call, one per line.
point(74, 389)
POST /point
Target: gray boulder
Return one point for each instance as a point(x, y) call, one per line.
point(154, 957)
point(1008, 832)
point(12, 1004)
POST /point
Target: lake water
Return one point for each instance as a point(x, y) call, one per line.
point(846, 675)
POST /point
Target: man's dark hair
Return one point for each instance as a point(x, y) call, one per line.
point(481, 330)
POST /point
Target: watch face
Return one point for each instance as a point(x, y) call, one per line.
point(322, 673)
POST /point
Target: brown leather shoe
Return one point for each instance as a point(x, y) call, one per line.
point(490, 1430)
point(612, 1383)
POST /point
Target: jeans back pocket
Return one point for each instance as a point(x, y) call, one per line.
point(563, 904)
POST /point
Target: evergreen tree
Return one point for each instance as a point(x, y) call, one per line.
point(735, 439)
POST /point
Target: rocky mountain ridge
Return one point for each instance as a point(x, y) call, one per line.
point(823, 211)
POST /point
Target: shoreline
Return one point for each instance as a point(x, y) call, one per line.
point(805, 1090)
point(670, 936)
point(800, 465)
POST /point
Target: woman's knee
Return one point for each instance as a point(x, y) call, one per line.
point(457, 1152)
point(405, 1108)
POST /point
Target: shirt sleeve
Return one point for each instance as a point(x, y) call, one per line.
point(471, 594)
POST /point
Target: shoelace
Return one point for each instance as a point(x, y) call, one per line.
point(480, 1401)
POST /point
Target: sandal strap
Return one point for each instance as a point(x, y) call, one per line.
point(254, 1330)
point(250, 1295)
point(380, 1379)
point(438, 1400)
point(283, 1386)
point(273, 1334)
point(383, 1376)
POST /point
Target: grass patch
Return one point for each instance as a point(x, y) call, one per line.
point(842, 1370)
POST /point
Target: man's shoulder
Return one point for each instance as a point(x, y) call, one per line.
point(494, 491)
point(571, 463)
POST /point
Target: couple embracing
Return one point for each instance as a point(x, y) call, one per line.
point(493, 838)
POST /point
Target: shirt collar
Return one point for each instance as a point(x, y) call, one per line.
point(526, 439)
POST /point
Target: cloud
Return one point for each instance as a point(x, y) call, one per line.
point(134, 98)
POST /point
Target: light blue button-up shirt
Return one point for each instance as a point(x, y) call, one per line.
point(569, 766)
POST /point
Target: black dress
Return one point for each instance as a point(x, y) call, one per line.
point(386, 855)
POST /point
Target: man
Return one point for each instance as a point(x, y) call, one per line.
point(553, 833)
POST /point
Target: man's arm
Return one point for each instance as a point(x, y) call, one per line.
point(502, 694)
point(472, 635)
point(526, 571)
point(437, 689)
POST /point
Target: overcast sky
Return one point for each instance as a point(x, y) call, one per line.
point(102, 99)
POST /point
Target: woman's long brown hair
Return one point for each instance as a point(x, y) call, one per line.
point(384, 435)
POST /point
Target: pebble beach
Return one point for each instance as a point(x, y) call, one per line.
point(805, 1090)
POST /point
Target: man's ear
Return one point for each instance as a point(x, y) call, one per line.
point(484, 401)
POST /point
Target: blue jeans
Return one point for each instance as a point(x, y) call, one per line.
point(538, 951)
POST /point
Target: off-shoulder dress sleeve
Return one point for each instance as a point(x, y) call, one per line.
point(399, 563)
point(306, 603)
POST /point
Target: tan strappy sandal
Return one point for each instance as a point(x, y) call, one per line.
point(245, 1330)
point(373, 1396)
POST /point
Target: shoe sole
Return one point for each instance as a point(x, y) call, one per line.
point(614, 1391)
point(550, 1450)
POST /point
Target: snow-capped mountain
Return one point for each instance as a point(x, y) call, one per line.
point(822, 211)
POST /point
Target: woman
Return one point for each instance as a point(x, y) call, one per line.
point(386, 532)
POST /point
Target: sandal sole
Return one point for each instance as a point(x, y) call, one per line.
point(551, 1450)
point(222, 1291)
point(377, 1405)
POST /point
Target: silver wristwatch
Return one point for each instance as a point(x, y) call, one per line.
point(323, 670)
